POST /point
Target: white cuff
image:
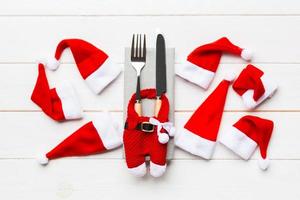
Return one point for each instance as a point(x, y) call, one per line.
point(70, 102)
point(270, 89)
point(104, 75)
point(157, 170)
point(194, 144)
point(138, 171)
point(238, 142)
point(108, 131)
point(195, 74)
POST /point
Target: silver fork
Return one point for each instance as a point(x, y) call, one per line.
point(138, 61)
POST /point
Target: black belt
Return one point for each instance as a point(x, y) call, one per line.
point(143, 126)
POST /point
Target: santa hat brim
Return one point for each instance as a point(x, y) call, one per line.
point(195, 74)
point(103, 76)
point(270, 89)
point(238, 142)
point(69, 100)
point(194, 144)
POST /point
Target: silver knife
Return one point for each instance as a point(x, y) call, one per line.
point(161, 71)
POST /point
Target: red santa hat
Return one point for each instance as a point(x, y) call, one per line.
point(246, 134)
point(93, 64)
point(203, 61)
point(94, 137)
point(60, 103)
point(254, 86)
point(199, 134)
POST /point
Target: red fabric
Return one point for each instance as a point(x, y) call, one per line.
point(258, 129)
point(250, 79)
point(205, 121)
point(138, 144)
point(87, 57)
point(208, 56)
point(84, 141)
point(46, 98)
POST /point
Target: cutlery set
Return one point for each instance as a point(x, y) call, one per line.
point(138, 62)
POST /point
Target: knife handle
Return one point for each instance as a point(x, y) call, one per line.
point(138, 108)
point(138, 105)
point(157, 106)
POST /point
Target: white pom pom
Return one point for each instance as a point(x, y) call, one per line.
point(172, 131)
point(246, 54)
point(263, 163)
point(230, 77)
point(163, 138)
point(43, 160)
point(52, 64)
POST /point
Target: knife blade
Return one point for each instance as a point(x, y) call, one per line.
point(161, 81)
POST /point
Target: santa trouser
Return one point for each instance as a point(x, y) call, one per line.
point(141, 138)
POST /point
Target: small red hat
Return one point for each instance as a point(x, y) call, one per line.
point(203, 61)
point(93, 64)
point(254, 86)
point(92, 138)
point(199, 134)
point(246, 134)
point(60, 103)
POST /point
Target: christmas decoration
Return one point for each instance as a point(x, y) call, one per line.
point(203, 61)
point(246, 134)
point(93, 64)
point(254, 86)
point(200, 132)
point(147, 136)
point(60, 103)
point(94, 137)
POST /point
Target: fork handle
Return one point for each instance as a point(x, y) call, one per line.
point(138, 105)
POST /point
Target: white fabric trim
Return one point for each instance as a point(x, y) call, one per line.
point(195, 74)
point(238, 142)
point(104, 75)
point(157, 170)
point(70, 102)
point(108, 131)
point(270, 89)
point(138, 171)
point(194, 144)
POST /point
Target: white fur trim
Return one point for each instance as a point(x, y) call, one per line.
point(138, 171)
point(52, 63)
point(247, 54)
point(238, 142)
point(157, 170)
point(195, 74)
point(230, 77)
point(70, 102)
point(104, 75)
point(270, 89)
point(263, 163)
point(42, 159)
point(106, 128)
point(194, 144)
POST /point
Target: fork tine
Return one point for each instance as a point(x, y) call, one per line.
point(144, 48)
point(140, 46)
point(136, 46)
point(132, 47)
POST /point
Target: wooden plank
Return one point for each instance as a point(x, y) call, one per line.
point(148, 7)
point(17, 82)
point(25, 39)
point(109, 179)
point(27, 134)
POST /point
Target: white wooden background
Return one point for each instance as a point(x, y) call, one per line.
point(30, 29)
